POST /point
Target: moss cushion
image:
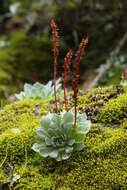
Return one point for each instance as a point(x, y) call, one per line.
point(101, 165)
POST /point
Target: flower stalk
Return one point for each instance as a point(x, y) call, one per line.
point(67, 61)
point(79, 54)
point(56, 53)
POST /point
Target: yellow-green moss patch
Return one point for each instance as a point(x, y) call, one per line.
point(101, 165)
point(114, 111)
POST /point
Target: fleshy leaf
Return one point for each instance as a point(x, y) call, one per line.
point(36, 147)
point(39, 91)
point(57, 138)
point(65, 156)
point(41, 133)
point(79, 147)
point(54, 154)
point(79, 138)
point(44, 152)
point(71, 142)
point(68, 149)
point(45, 121)
point(48, 141)
point(68, 117)
point(27, 90)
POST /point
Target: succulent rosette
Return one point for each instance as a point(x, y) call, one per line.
point(57, 138)
point(39, 90)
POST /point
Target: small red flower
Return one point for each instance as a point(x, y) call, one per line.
point(67, 61)
point(56, 53)
point(79, 54)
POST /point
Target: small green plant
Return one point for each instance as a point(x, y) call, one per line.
point(58, 138)
point(62, 133)
point(39, 90)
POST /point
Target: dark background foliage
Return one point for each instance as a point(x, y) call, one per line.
point(26, 41)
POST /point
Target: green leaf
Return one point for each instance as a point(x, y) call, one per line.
point(53, 154)
point(39, 90)
point(79, 138)
point(68, 118)
point(68, 149)
point(58, 138)
point(87, 128)
point(44, 152)
point(56, 119)
point(79, 147)
point(27, 90)
point(65, 156)
point(41, 133)
point(36, 147)
point(51, 131)
point(20, 96)
point(71, 142)
point(59, 157)
point(48, 141)
point(45, 121)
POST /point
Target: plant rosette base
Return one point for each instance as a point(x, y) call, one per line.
point(57, 137)
point(39, 91)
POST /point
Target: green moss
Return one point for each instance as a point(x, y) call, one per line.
point(114, 111)
point(124, 124)
point(96, 99)
point(101, 165)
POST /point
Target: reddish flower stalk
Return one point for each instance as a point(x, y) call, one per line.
point(79, 54)
point(66, 66)
point(55, 52)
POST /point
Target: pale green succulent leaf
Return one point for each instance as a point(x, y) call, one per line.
point(48, 141)
point(53, 154)
point(51, 131)
point(87, 128)
point(65, 156)
point(68, 118)
point(27, 90)
point(46, 121)
point(39, 91)
point(36, 147)
point(79, 138)
point(56, 119)
point(41, 133)
point(20, 96)
point(79, 146)
point(68, 149)
point(58, 137)
point(44, 152)
point(71, 142)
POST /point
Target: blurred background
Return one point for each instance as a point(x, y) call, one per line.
point(26, 41)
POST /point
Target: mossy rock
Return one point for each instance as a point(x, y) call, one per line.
point(101, 165)
point(115, 111)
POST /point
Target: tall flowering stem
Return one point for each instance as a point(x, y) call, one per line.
point(79, 54)
point(55, 52)
point(67, 61)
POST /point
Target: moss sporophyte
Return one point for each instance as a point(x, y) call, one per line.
point(62, 133)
